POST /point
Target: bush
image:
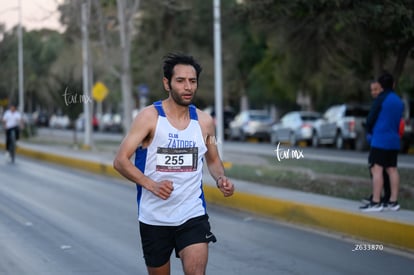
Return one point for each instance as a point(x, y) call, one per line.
point(29, 130)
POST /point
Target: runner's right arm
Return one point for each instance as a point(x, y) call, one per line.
point(140, 133)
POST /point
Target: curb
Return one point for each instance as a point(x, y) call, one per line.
point(86, 165)
point(375, 229)
point(382, 231)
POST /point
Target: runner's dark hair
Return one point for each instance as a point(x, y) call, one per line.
point(172, 59)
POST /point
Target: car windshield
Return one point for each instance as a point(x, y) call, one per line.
point(357, 111)
point(309, 117)
point(259, 117)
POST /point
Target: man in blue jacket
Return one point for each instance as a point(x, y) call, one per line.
point(383, 124)
point(376, 89)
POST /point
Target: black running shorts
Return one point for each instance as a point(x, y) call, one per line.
point(382, 157)
point(158, 242)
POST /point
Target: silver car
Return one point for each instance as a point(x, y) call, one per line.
point(342, 125)
point(251, 123)
point(294, 127)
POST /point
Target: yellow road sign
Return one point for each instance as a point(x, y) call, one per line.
point(99, 91)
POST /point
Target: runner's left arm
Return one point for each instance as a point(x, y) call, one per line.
point(214, 163)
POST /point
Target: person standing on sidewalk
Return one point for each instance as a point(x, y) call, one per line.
point(12, 120)
point(383, 122)
point(376, 89)
point(170, 139)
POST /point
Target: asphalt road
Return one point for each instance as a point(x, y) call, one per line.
point(55, 220)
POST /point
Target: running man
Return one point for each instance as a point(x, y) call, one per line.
point(170, 139)
point(12, 120)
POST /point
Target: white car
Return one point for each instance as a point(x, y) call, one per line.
point(111, 122)
point(59, 122)
point(294, 127)
point(251, 123)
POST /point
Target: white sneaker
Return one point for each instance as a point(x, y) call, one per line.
point(372, 207)
point(7, 157)
point(393, 206)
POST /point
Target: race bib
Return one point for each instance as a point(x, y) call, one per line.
point(177, 159)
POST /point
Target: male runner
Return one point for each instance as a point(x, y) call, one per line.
point(170, 139)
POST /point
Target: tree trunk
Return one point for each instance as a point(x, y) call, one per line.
point(377, 63)
point(75, 134)
point(125, 32)
point(402, 55)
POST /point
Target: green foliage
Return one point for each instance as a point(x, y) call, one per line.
point(337, 45)
point(40, 49)
point(271, 50)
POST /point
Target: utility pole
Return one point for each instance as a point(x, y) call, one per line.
point(20, 60)
point(87, 144)
point(218, 82)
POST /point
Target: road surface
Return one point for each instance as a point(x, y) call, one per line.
point(55, 220)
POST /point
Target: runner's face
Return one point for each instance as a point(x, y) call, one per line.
point(183, 84)
point(375, 89)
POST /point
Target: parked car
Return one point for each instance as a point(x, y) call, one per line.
point(111, 122)
point(59, 121)
point(228, 116)
point(80, 123)
point(41, 119)
point(408, 136)
point(342, 125)
point(294, 127)
point(251, 123)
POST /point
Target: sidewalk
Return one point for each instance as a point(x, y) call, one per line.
point(333, 214)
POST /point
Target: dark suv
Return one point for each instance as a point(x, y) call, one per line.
point(228, 116)
point(408, 136)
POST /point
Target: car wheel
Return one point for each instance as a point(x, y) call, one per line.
point(360, 143)
point(232, 135)
point(315, 140)
point(339, 141)
point(405, 146)
point(242, 136)
point(273, 138)
point(292, 139)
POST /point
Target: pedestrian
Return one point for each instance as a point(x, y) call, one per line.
point(376, 89)
point(383, 123)
point(12, 120)
point(170, 138)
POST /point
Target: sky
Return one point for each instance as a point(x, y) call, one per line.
point(36, 14)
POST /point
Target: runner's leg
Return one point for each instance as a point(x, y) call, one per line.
point(8, 131)
point(162, 270)
point(194, 258)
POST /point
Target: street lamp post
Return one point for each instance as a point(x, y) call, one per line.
point(218, 86)
point(85, 72)
point(20, 60)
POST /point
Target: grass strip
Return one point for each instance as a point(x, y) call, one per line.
point(342, 180)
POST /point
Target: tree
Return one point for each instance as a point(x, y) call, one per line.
point(66, 85)
point(41, 48)
point(185, 27)
point(107, 18)
point(126, 13)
